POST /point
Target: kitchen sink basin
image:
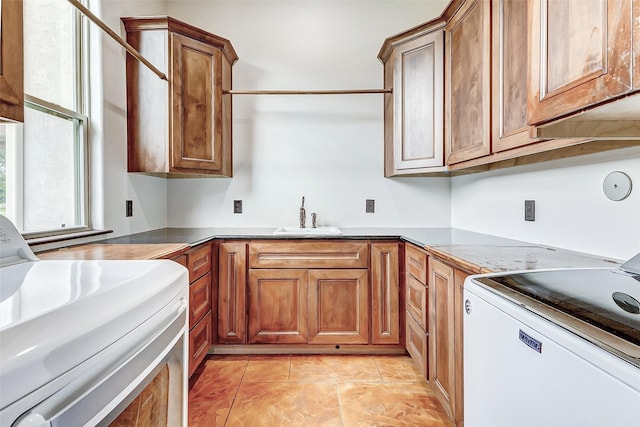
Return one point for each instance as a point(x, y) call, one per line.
point(309, 231)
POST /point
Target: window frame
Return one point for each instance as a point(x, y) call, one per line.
point(82, 145)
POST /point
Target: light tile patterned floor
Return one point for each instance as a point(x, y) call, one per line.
point(310, 390)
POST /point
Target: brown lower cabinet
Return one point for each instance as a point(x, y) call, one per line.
point(416, 302)
point(338, 306)
point(199, 262)
point(318, 292)
point(232, 271)
point(278, 306)
point(446, 339)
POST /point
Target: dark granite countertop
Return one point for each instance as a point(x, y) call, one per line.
point(470, 251)
point(437, 236)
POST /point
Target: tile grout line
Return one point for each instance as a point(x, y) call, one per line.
point(339, 403)
point(235, 395)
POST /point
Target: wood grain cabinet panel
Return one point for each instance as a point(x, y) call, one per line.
point(416, 296)
point(417, 344)
point(183, 126)
point(441, 333)
point(458, 363)
point(199, 299)
point(385, 293)
point(11, 62)
point(308, 254)
point(414, 69)
point(201, 335)
point(467, 96)
point(232, 273)
point(278, 305)
point(199, 343)
point(581, 55)
point(446, 350)
point(509, 75)
point(199, 261)
point(338, 307)
point(416, 263)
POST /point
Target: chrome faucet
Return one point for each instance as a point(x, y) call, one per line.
point(303, 215)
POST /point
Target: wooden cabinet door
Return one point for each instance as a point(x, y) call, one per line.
point(232, 292)
point(196, 100)
point(385, 293)
point(199, 299)
point(417, 343)
point(416, 112)
point(11, 62)
point(199, 342)
point(581, 55)
point(338, 307)
point(278, 304)
point(509, 75)
point(468, 68)
point(442, 333)
point(458, 309)
point(416, 301)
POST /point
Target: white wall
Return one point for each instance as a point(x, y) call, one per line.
point(111, 184)
point(328, 148)
point(571, 209)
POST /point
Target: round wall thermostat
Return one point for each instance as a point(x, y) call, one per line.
point(617, 186)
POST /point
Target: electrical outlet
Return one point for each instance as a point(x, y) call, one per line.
point(237, 206)
point(370, 206)
point(529, 210)
point(128, 210)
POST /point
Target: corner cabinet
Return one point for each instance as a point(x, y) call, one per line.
point(468, 76)
point(582, 54)
point(413, 112)
point(11, 62)
point(182, 126)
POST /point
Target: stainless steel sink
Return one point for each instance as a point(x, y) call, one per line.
point(308, 231)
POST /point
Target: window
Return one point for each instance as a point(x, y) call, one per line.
point(44, 162)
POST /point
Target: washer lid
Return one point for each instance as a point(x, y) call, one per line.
point(54, 315)
point(602, 305)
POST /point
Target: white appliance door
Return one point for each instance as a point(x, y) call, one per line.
point(521, 370)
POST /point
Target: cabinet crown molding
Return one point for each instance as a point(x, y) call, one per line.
point(168, 23)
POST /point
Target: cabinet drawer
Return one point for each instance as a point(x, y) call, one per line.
point(417, 345)
point(417, 300)
point(199, 262)
point(416, 263)
point(199, 299)
point(322, 254)
point(199, 342)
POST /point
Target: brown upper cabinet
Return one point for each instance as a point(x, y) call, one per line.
point(11, 62)
point(181, 127)
point(413, 122)
point(581, 55)
point(468, 76)
point(509, 75)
